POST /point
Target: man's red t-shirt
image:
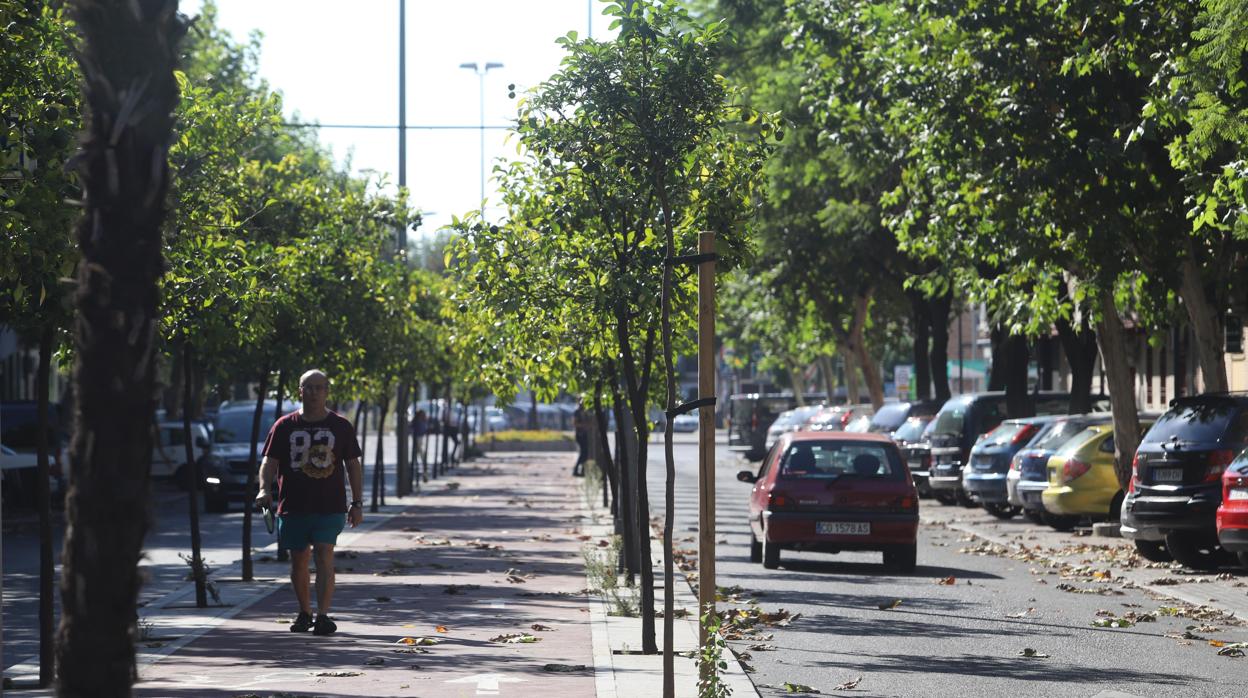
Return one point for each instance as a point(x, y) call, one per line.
point(312, 461)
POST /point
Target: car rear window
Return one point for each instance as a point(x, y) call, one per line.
point(1077, 440)
point(830, 460)
point(235, 427)
point(912, 429)
point(1199, 422)
point(1003, 434)
point(890, 417)
point(949, 421)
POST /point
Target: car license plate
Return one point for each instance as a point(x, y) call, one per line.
point(1167, 475)
point(843, 528)
point(1239, 493)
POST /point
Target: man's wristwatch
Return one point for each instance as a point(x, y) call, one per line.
point(357, 503)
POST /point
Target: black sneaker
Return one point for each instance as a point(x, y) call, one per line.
point(324, 625)
point(302, 624)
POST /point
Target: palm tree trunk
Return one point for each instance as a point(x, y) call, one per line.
point(128, 55)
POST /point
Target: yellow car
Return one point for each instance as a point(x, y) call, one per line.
point(1082, 482)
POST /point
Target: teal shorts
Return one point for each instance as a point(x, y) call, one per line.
point(297, 531)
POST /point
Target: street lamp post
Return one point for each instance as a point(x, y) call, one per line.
point(481, 71)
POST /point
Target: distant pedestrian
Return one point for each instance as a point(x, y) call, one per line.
point(310, 455)
point(420, 427)
point(581, 425)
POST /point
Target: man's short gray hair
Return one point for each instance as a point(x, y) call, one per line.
point(312, 374)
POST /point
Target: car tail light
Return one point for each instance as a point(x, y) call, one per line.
point(1135, 474)
point(908, 502)
point(1016, 463)
point(1218, 460)
point(1073, 469)
point(780, 500)
point(754, 422)
point(1024, 434)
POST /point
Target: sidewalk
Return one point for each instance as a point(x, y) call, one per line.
point(489, 550)
point(427, 591)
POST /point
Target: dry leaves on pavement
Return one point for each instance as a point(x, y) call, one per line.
point(849, 685)
point(515, 638)
point(947, 581)
point(541, 628)
point(337, 674)
point(890, 605)
point(563, 668)
point(1032, 654)
point(418, 641)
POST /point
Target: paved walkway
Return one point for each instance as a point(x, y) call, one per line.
point(492, 549)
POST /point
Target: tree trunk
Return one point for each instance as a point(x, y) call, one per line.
point(858, 342)
point(626, 501)
point(921, 319)
point(262, 390)
point(1112, 341)
point(795, 379)
point(1000, 356)
point(192, 477)
point(851, 376)
point(447, 420)
point(939, 308)
point(669, 456)
point(1080, 349)
point(1018, 401)
point(603, 457)
point(829, 375)
point(402, 467)
point(43, 501)
point(379, 463)
point(128, 55)
point(1044, 363)
point(1206, 324)
point(533, 411)
point(283, 555)
point(363, 430)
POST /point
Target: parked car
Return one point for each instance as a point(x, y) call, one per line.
point(751, 414)
point(169, 450)
point(1232, 518)
point(1029, 476)
point(990, 462)
point(836, 417)
point(790, 420)
point(1082, 481)
point(916, 450)
point(224, 472)
point(830, 492)
point(19, 431)
point(495, 419)
point(1176, 483)
point(891, 416)
point(19, 471)
point(859, 425)
point(960, 422)
point(685, 422)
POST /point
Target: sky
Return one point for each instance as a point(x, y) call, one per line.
point(336, 62)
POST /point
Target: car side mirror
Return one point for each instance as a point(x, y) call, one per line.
point(747, 476)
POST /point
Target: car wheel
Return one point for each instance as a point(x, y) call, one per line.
point(216, 504)
point(1115, 507)
point(770, 553)
point(1002, 511)
point(1061, 523)
point(1243, 560)
point(946, 498)
point(901, 558)
point(1153, 550)
point(756, 549)
point(1035, 516)
point(965, 499)
point(1195, 549)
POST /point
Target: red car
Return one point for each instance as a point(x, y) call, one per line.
point(1233, 512)
point(833, 491)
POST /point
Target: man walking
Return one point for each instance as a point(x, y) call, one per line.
point(580, 426)
point(306, 453)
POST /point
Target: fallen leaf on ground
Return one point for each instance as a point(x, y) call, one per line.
point(1031, 653)
point(563, 668)
point(849, 685)
point(418, 641)
point(1021, 614)
point(515, 638)
point(798, 688)
point(762, 648)
point(1112, 623)
point(890, 605)
point(947, 581)
point(1235, 649)
point(452, 486)
point(441, 629)
point(337, 674)
point(541, 628)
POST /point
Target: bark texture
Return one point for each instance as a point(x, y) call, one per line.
point(1112, 340)
point(128, 55)
point(940, 307)
point(1206, 325)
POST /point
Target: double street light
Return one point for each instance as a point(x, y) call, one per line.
point(481, 71)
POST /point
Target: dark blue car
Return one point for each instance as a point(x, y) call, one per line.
point(985, 478)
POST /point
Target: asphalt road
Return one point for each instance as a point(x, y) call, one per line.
point(960, 639)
